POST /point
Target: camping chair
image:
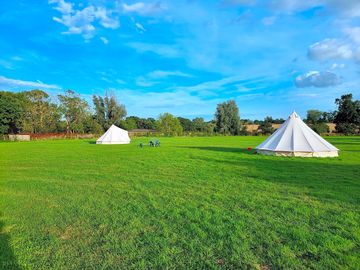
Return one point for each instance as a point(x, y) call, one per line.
point(157, 143)
point(151, 143)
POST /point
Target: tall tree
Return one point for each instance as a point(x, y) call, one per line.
point(108, 110)
point(75, 111)
point(227, 118)
point(199, 124)
point(169, 124)
point(11, 111)
point(41, 115)
point(347, 117)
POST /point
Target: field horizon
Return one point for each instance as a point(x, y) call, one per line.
point(194, 202)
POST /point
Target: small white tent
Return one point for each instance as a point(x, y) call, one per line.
point(114, 135)
point(295, 138)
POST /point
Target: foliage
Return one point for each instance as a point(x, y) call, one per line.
point(317, 121)
point(186, 124)
point(74, 110)
point(266, 126)
point(347, 118)
point(227, 118)
point(193, 203)
point(41, 115)
point(11, 112)
point(169, 125)
point(108, 110)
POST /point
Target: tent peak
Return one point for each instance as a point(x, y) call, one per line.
point(294, 115)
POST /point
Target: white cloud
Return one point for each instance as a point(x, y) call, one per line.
point(164, 50)
point(353, 33)
point(158, 74)
point(317, 79)
point(268, 20)
point(144, 82)
point(140, 27)
point(62, 6)
point(81, 21)
point(102, 14)
point(337, 66)
point(12, 83)
point(142, 8)
point(328, 49)
point(104, 40)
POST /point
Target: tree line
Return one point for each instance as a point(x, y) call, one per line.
point(35, 112)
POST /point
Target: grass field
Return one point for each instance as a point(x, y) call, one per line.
point(193, 203)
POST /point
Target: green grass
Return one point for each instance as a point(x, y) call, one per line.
point(193, 203)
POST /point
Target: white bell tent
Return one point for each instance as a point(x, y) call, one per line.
point(295, 138)
point(114, 135)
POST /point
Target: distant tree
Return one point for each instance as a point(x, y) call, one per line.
point(11, 112)
point(347, 117)
point(317, 121)
point(227, 118)
point(74, 110)
point(108, 110)
point(148, 123)
point(278, 121)
point(199, 124)
point(210, 127)
point(169, 125)
point(266, 126)
point(186, 124)
point(40, 114)
point(129, 123)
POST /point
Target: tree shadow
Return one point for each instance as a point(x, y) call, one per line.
point(222, 149)
point(325, 178)
point(7, 258)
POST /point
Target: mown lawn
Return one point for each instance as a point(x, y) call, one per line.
point(193, 203)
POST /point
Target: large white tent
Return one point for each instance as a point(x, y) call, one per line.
point(295, 138)
point(114, 135)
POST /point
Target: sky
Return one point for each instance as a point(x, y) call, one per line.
point(186, 56)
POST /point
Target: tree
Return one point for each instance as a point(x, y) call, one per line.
point(266, 126)
point(40, 115)
point(129, 123)
point(11, 111)
point(74, 110)
point(186, 124)
point(169, 125)
point(227, 118)
point(108, 110)
point(317, 121)
point(347, 118)
point(199, 124)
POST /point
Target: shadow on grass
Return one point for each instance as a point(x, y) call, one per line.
point(222, 149)
point(92, 142)
point(321, 178)
point(7, 257)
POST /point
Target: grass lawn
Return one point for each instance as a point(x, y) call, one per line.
point(193, 203)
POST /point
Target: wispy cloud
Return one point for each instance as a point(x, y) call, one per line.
point(81, 21)
point(159, 74)
point(6, 83)
point(145, 9)
point(164, 50)
point(104, 40)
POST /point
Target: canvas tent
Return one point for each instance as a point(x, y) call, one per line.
point(114, 135)
point(295, 138)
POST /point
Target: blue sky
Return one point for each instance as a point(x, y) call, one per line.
point(184, 57)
